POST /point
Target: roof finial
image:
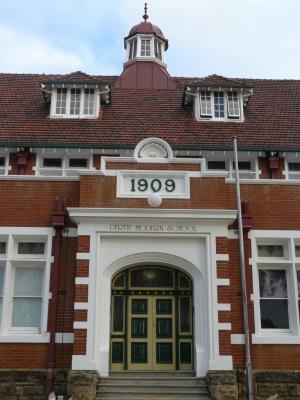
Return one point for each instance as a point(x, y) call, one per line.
point(146, 16)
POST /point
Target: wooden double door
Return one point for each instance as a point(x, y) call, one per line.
point(151, 333)
point(152, 326)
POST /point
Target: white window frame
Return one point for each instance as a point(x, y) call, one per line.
point(63, 171)
point(211, 117)
point(290, 263)
point(291, 158)
point(4, 171)
point(68, 103)
point(11, 260)
point(139, 38)
point(229, 172)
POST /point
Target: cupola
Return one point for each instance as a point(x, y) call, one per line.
point(145, 42)
point(144, 66)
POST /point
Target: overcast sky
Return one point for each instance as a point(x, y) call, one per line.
point(234, 38)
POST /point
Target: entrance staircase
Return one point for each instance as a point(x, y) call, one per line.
point(152, 386)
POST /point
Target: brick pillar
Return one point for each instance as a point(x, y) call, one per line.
point(81, 296)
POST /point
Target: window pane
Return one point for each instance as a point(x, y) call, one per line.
point(157, 49)
point(2, 162)
point(219, 104)
point(298, 279)
point(233, 105)
point(26, 312)
point(31, 248)
point(75, 102)
point(219, 165)
point(146, 47)
point(272, 283)
point(118, 313)
point(274, 314)
point(152, 277)
point(78, 163)
point(1, 280)
point(294, 166)
point(205, 104)
point(2, 247)
point(297, 250)
point(89, 102)
point(270, 250)
point(61, 101)
point(52, 162)
point(243, 165)
point(28, 281)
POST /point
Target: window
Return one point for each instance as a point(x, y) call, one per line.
point(52, 162)
point(4, 168)
point(75, 103)
point(276, 289)
point(61, 101)
point(298, 285)
point(78, 163)
point(216, 164)
point(220, 105)
point(64, 165)
point(157, 49)
point(273, 299)
point(205, 104)
point(27, 297)
point(1, 289)
point(292, 168)
point(132, 49)
point(270, 250)
point(31, 248)
point(24, 281)
point(145, 47)
point(2, 247)
point(233, 105)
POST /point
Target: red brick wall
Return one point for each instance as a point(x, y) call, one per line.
point(31, 203)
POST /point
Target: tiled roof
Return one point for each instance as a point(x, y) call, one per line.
point(272, 117)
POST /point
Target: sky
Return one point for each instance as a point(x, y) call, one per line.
point(233, 38)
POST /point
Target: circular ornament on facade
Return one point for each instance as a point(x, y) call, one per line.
point(151, 149)
point(154, 200)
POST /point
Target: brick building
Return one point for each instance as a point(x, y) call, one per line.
point(119, 246)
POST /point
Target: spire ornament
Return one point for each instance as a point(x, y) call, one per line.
point(146, 16)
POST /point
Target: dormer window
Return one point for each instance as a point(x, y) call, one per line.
point(215, 98)
point(220, 105)
point(75, 103)
point(77, 96)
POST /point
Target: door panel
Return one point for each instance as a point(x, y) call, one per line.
point(139, 333)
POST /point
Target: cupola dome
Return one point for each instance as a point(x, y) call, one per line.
point(145, 42)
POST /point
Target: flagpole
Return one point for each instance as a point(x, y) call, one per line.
point(248, 364)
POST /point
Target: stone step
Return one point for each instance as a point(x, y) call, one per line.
point(156, 381)
point(172, 389)
point(150, 374)
point(152, 396)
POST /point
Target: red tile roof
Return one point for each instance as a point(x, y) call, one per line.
point(272, 117)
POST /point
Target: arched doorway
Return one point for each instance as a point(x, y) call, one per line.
point(151, 320)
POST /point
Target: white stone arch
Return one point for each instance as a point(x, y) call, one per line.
point(200, 296)
point(153, 149)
